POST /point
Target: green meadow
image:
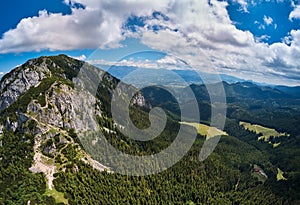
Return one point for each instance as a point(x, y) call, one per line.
point(265, 132)
point(205, 130)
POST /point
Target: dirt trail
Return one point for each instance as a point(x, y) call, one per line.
point(40, 165)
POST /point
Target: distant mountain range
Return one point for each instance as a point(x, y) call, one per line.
point(162, 76)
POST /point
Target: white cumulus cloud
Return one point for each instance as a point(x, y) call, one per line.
point(82, 57)
point(243, 4)
point(295, 14)
point(99, 24)
point(207, 38)
point(167, 62)
point(268, 20)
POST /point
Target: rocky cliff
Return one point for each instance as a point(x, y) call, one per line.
point(41, 98)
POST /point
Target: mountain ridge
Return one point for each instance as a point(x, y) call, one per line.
point(44, 115)
point(189, 76)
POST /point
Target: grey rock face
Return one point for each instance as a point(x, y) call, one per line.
point(11, 125)
point(19, 81)
point(21, 119)
point(139, 100)
point(66, 108)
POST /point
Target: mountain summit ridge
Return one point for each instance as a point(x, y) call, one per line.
point(40, 94)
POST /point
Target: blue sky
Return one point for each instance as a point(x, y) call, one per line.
point(254, 20)
point(254, 40)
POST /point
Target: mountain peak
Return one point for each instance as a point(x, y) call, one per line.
point(33, 72)
point(39, 98)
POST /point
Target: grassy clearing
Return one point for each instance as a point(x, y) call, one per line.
point(205, 130)
point(265, 132)
point(58, 196)
point(275, 144)
point(280, 175)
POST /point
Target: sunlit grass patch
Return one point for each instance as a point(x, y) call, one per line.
point(58, 196)
point(280, 175)
point(265, 132)
point(205, 130)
